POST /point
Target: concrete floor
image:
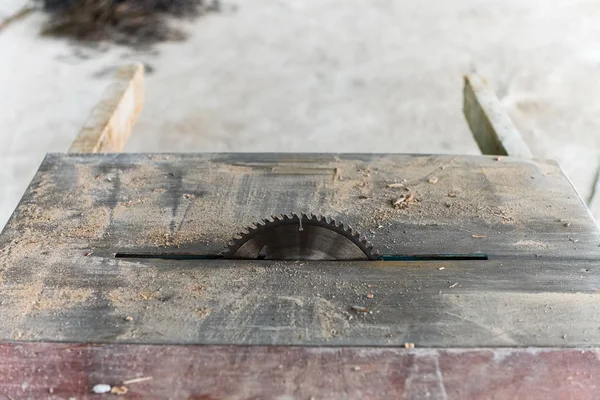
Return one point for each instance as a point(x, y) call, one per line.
point(319, 75)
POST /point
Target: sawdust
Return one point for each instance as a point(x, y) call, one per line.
point(92, 226)
point(202, 312)
point(195, 289)
point(163, 238)
point(61, 298)
point(329, 318)
point(183, 298)
point(57, 221)
point(125, 295)
point(17, 302)
point(533, 244)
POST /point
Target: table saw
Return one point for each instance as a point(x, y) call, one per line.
point(300, 275)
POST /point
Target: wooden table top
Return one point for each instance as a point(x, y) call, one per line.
point(61, 282)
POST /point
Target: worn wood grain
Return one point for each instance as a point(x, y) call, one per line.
point(60, 279)
point(60, 371)
point(111, 122)
point(491, 126)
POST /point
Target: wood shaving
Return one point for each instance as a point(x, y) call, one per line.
point(137, 380)
point(433, 180)
point(409, 345)
point(403, 201)
point(478, 236)
point(119, 390)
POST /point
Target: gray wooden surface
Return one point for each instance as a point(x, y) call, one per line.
point(60, 281)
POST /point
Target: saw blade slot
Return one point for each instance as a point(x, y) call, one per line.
point(387, 257)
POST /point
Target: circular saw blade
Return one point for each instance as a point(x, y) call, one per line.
point(301, 237)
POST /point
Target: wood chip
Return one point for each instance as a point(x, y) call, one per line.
point(128, 318)
point(451, 194)
point(395, 185)
point(478, 236)
point(441, 268)
point(356, 368)
point(360, 309)
point(409, 345)
point(119, 390)
point(453, 285)
point(402, 201)
point(101, 388)
point(433, 180)
point(338, 174)
point(370, 295)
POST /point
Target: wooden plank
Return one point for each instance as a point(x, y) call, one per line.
point(492, 128)
point(50, 370)
point(466, 304)
point(62, 282)
point(594, 200)
point(19, 14)
point(111, 122)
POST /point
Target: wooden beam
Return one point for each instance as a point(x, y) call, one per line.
point(18, 15)
point(72, 370)
point(492, 128)
point(594, 199)
point(110, 124)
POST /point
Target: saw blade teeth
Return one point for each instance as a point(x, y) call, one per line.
point(300, 218)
